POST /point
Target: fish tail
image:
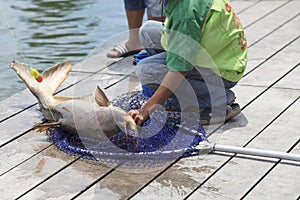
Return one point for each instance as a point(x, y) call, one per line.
point(53, 77)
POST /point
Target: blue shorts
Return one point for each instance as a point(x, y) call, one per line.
point(154, 7)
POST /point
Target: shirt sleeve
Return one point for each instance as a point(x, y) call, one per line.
point(183, 44)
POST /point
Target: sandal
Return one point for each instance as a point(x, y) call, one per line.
point(121, 51)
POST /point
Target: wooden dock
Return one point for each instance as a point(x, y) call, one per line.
point(32, 168)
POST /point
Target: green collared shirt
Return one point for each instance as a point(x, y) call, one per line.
point(205, 33)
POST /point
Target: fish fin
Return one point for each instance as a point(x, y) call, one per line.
point(63, 99)
point(89, 97)
point(24, 73)
point(54, 76)
point(101, 98)
point(45, 126)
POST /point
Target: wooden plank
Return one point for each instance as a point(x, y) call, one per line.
point(291, 81)
point(260, 79)
point(265, 48)
point(271, 22)
point(268, 72)
point(282, 178)
point(87, 176)
point(231, 134)
point(124, 67)
point(94, 63)
point(237, 177)
point(19, 124)
point(68, 182)
point(21, 149)
point(129, 84)
point(241, 6)
point(31, 172)
point(257, 11)
point(274, 68)
point(272, 44)
point(73, 79)
point(122, 184)
point(89, 85)
point(16, 104)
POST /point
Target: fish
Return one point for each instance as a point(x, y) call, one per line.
point(89, 116)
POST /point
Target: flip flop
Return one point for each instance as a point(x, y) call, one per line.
point(122, 51)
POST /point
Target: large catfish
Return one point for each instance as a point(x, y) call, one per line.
point(86, 116)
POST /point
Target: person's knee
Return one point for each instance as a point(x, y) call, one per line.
point(150, 35)
point(146, 29)
point(140, 72)
point(145, 71)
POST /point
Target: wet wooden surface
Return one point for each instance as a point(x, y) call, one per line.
point(32, 168)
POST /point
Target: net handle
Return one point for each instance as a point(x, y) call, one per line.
point(256, 152)
point(207, 147)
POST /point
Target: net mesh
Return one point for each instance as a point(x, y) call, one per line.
point(160, 139)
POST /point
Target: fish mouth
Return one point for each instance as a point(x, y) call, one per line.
point(12, 63)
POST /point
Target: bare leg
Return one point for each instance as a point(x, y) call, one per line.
point(135, 20)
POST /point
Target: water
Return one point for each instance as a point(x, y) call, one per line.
point(51, 31)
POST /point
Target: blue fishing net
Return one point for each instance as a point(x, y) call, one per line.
point(161, 138)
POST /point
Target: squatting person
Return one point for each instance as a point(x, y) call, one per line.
point(196, 57)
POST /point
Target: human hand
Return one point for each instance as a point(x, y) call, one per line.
point(139, 116)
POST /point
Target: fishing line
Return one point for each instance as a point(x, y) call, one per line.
point(12, 35)
point(33, 71)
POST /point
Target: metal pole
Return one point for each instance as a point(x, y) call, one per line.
point(256, 152)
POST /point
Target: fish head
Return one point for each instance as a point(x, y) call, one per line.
point(123, 120)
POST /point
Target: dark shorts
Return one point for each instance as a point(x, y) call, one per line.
point(135, 4)
point(154, 7)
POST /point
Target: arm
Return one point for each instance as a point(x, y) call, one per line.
point(171, 81)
